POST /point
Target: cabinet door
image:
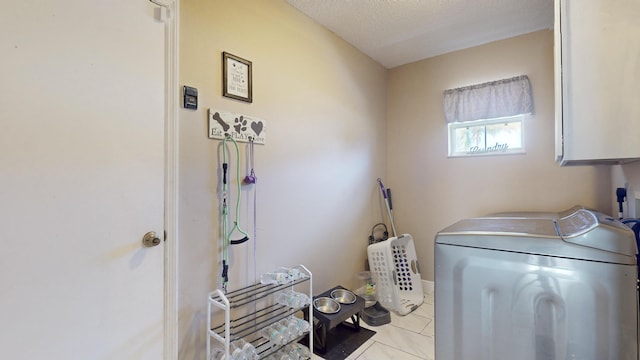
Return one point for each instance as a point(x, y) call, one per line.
point(600, 79)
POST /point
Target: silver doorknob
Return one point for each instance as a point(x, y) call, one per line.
point(150, 239)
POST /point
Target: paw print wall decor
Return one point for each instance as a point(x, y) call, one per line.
point(242, 128)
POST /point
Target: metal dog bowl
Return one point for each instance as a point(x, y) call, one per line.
point(326, 305)
point(343, 296)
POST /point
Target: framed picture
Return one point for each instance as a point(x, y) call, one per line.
point(236, 77)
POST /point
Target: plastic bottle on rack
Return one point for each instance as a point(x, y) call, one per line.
point(280, 355)
point(235, 351)
point(250, 351)
point(293, 274)
point(282, 275)
point(217, 353)
point(285, 298)
point(301, 325)
point(292, 328)
point(304, 299)
point(294, 351)
point(272, 334)
point(274, 278)
point(243, 350)
point(293, 299)
point(292, 325)
point(299, 352)
point(283, 329)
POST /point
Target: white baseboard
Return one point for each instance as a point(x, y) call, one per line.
point(428, 286)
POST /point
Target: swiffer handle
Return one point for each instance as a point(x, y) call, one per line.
point(384, 193)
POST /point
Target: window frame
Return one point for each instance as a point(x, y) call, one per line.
point(451, 127)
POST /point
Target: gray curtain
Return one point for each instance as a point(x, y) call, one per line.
point(495, 99)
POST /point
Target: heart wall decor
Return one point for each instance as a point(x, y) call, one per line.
point(257, 127)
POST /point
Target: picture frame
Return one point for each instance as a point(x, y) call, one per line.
point(236, 77)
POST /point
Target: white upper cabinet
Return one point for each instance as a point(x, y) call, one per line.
point(597, 81)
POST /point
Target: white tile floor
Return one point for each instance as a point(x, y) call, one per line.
point(408, 337)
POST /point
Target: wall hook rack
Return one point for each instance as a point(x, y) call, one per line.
point(242, 128)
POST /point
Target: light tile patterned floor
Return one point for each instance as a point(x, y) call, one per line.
point(409, 337)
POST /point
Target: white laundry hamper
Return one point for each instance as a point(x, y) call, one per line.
point(394, 268)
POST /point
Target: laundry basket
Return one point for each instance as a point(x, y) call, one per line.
point(394, 267)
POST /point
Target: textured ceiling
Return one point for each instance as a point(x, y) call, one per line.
point(397, 32)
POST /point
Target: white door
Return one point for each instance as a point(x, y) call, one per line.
point(81, 161)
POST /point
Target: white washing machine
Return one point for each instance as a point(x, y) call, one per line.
point(536, 288)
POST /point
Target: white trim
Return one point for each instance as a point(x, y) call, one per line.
point(170, 16)
point(428, 287)
point(558, 85)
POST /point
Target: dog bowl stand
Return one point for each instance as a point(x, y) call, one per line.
point(327, 322)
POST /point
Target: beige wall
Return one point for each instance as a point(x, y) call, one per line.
point(432, 191)
point(325, 107)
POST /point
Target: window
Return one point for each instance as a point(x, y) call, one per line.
point(487, 137)
point(488, 118)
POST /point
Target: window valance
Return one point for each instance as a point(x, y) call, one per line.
point(495, 99)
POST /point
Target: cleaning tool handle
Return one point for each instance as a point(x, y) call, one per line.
point(389, 198)
point(384, 193)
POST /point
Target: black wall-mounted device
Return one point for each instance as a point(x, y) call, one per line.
point(190, 97)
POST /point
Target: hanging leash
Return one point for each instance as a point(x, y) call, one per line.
point(225, 219)
point(252, 179)
point(236, 221)
point(226, 242)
